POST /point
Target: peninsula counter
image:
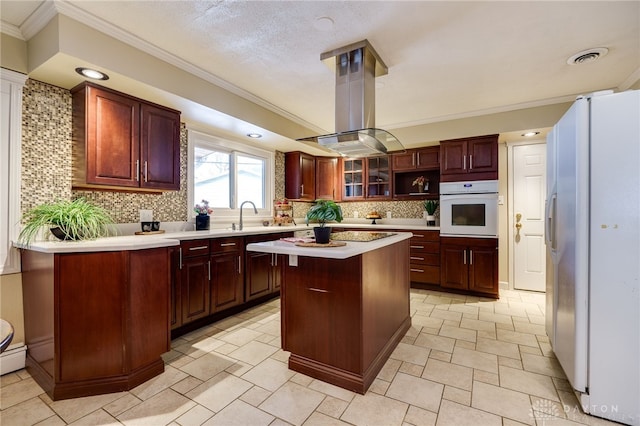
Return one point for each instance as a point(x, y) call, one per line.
point(344, 309)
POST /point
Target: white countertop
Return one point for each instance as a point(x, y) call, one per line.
point(141, 242)
point(352, 248)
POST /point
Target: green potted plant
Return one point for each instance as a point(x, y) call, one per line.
point(431, 206)
point(67, 220)
point(323, 211)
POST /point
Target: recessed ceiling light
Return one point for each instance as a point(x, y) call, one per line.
point(324, 23)
point(530, 134)
point(89, 73)
point(254, 135)
point(586, 56)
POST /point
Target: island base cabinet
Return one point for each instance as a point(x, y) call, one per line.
point(95, 322)
point(342, 318)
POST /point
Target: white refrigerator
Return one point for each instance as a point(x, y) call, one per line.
point(593, 243)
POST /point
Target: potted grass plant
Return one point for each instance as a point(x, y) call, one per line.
point(430, 207)
point(67, 220)
point(323, 211)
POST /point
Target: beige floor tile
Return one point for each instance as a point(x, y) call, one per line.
point(18, 392)
point(241, 336)
point(474, 359)
point(457, 395)
point(332, 390)
point(98, 417)
point(510, 362)
point(373, 409)
point(52, 421)
point(121, 405)
point(449, 374)
point(186, 384)
point(530, 350)
point(269, 374)
point(195, 416)
point(441, 356)
point(517, 337)
point(238, 368)
point(527, 327)
point(71, 410)
point(422, 393)
point(458, 333)
point(486, 334)
point(253, 352)
point(493, 317)
point(292, 403)
point(546, 410)
point(446, 315)
point(412, 369)
point(486, 377)
point(320, 419)
point(379, 386)
point(465, 309)
point(425, 321)
point(389, 369)
point(503, 402)
point(542, 365)
point(168, 378)
point(475, 324)
point(28, 412)
point(527, 382)
point(465, 344)
point(240, 413)
point(332, 407)
point(302, 379)
point(410, 353)
point(207, 366)
point(255, 396)
point(438, 343)
point(271, 328)
point(452, 414)
point(160, 409)
point(9, 378)
point(419, 417)
point(219, 391)
point(498, 347)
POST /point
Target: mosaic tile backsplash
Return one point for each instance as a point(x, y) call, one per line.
point(47, 173)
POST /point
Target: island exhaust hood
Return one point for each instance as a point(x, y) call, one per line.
point(357, 65)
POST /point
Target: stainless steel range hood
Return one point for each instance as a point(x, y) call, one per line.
point(357, 66)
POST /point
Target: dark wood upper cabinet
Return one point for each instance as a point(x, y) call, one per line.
point(328, 178)
point(427, 158)
point(123, 142)
point(469, 159)
point(300, 176)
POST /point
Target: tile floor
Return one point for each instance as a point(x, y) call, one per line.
point(465, 361)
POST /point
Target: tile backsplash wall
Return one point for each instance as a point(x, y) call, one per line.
point(46, 162)
point(46, 168)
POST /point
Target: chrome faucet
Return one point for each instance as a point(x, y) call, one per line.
point(254, 210)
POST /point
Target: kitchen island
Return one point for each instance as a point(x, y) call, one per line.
point(344, 309)
point(96, 313)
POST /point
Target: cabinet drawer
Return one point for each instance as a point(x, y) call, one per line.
point(422, 236)
point(425, 259)
point(195, 248)
point(425, 274)
point(424, 247)
point(222, 245)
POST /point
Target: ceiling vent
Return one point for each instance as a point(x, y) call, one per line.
point(587, 56)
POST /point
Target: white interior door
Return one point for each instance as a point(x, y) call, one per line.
point(529, 191)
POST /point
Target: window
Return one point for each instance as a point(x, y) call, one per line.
point(226, 173)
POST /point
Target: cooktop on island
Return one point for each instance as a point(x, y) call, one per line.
point(359, 235)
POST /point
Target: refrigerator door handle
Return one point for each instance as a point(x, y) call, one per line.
point(550, 222)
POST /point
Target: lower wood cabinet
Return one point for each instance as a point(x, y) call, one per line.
point(263, 272)
point(425, 257)
point(226, 273)
point(469, 265)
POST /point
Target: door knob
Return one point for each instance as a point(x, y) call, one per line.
point(518, 226)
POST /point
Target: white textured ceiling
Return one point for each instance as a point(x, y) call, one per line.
point(446, 59)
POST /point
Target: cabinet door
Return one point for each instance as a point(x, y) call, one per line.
point(428, 158)
point(327, 182)
point(453, 157)
point(195, 289)
point(300, 175)
point(112, 137)
point(483, 268)
point(278, 271)
point(406, 161)
point(378, 177)
point(175, 316)
point(226, 281)
point(353, 179)
point(483, 155)
point(453, 266)
point(259, 273)
point(160, 148)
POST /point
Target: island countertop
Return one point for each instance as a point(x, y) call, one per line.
point(352, 248)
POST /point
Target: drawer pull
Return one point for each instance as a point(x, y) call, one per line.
point(227, 244)
point(318, 290)
point(416, 247)
point(416, 258)
point(418, 235)
point(417, 270)
point(198, 248)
